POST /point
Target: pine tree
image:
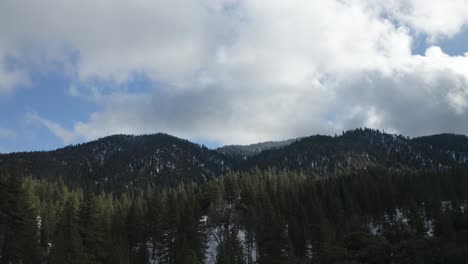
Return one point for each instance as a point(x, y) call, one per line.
point(136, 234)
point(230, 250)
point(154, 221)
point(21, 238)
point(68, 246)
point(91, 230)
point(167, 248)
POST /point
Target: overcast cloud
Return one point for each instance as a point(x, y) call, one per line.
point(242, 71)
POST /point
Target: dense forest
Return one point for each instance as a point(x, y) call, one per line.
point(116, 163)
point(258, 217)
point(357, 203)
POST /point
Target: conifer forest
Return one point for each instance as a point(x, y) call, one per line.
point(352, 198)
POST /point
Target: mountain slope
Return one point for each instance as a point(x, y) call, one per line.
point(247, 151)
point(123, 160)
point(362, 148)
point(120, 161)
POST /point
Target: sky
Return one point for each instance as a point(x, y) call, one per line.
point(229, 71)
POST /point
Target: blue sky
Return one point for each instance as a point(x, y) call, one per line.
point(230, 72)
point(456, 45)
point(47, 94)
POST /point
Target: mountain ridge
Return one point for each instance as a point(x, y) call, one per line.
point(120, 161)
point(246, 151)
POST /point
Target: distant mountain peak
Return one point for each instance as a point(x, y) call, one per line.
point(246, 151)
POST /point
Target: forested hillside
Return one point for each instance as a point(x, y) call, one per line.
point(361, 197)
point(258, 217)
point(244, 152)
point(362, 148)
point(117, 162)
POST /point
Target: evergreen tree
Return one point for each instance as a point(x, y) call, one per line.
point(68, 245)
point(21, 238)
point(91, 230)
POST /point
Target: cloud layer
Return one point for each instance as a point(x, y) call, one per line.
point(241, 71)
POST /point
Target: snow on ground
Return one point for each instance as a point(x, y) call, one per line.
point(448, 205)
point(215, 237)
point(151, 250)
point(374, 228)
point(428, 226)
point(242, 236)
point(400, 216)
point(212, 245)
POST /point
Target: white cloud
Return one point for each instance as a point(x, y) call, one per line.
point(6, 133)
point(10, 78)
point(425, 95)
point(62, 133)
point(437, 18)
point(114, 39)
point(240, 71)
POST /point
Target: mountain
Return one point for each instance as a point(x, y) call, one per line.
point(121, 161)
point(360, 149)
point(247, 151)
point(369, 196)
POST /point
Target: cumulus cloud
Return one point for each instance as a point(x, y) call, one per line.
point(425, 96)
point(437, 18)
point(114, 39)
point(240, 71)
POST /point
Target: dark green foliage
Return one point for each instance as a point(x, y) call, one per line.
point(230, 250)
point(119, 163)
point(91, 229)
point(259, 217)
point(136, 237)
point(361, 149)
point(19, 221)
point(68, 245)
